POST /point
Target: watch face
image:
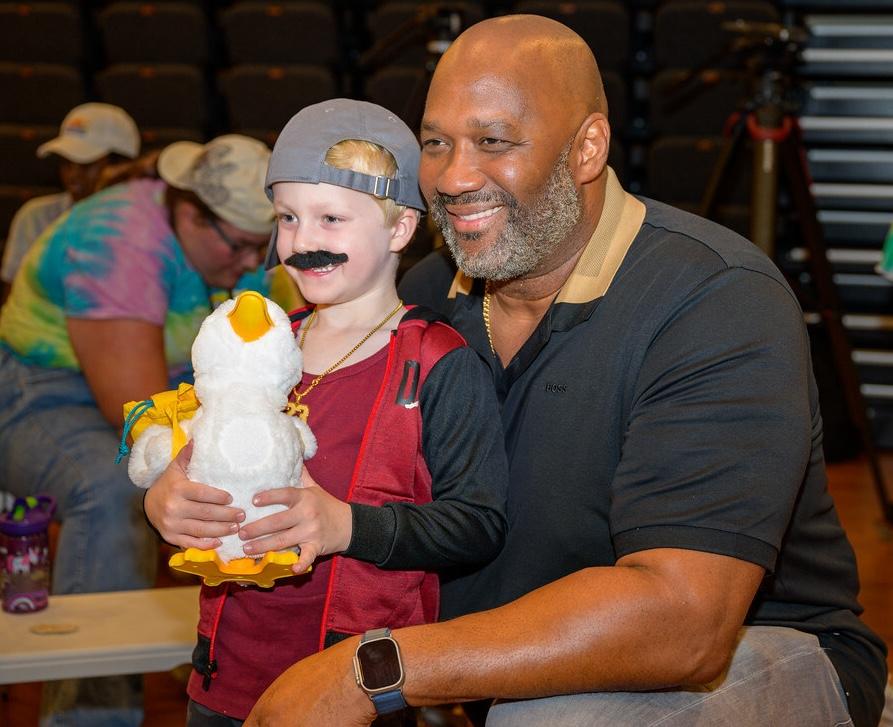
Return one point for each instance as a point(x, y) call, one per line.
point(379, 664)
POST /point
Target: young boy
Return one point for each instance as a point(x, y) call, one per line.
point(411, 462)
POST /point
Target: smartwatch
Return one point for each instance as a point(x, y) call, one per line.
point(379, 670)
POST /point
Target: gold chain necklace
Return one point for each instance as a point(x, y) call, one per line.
point(295, 407)
point(485, 305)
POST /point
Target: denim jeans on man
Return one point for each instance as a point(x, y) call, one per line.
point(777, 676)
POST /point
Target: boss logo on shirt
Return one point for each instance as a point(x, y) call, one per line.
point(556, 388)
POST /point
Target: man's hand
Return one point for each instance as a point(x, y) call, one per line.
point(320, 690)
point(317, 522)
point(189, 514)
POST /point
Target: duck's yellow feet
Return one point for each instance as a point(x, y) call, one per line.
point(193, 555)
point(263, 572)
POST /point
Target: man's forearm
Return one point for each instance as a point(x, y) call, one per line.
point(658, 618)
point(598, 629)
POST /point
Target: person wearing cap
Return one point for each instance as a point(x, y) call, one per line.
point(93, 136)
point(104, 310)
point(410, 461)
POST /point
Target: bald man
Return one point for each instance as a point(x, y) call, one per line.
point(673, 555)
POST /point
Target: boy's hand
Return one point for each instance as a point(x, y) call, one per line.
point(186, 513)
point(316, 521)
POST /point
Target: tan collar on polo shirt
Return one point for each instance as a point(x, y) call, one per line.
point(618, 226)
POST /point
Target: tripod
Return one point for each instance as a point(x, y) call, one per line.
point(768, 120)
point(434, 26)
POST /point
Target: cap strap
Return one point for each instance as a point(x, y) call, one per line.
point(378, 186)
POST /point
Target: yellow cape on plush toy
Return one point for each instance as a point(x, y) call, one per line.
point(166, 409)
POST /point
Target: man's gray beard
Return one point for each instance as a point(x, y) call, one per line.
point(531, 232)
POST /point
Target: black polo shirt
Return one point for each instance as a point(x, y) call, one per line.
point(667, 400)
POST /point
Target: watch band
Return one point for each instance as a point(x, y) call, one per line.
point(376, 634)
point(388, 702)
point(384, 702)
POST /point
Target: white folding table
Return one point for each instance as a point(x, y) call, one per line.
point(125, 632)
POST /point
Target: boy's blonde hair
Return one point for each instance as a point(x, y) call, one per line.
point(367, 158)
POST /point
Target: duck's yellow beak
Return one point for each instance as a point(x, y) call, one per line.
point(249, 317)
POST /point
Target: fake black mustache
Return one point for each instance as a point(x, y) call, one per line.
point(315, 259)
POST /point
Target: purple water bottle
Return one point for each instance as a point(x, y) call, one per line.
point(25, 554)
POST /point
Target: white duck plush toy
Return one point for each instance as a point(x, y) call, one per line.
point(246, 361)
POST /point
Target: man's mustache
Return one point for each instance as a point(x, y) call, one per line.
point(441, 200)
point(315, 259)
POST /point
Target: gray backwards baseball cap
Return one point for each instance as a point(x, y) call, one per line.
point(300, 152)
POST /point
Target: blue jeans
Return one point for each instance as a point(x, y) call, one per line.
point(200, 716)
point(778, 676)
point(54, 440)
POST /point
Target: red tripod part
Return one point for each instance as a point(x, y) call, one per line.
point(765, 133)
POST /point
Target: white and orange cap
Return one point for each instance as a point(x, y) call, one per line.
point(93, 130)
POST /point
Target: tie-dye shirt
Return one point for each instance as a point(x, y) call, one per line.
point(112, 256)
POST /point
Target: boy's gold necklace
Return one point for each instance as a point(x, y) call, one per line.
point(295, 407)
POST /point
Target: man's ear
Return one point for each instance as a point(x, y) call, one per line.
point(186, 215)
point(404, 228)
point(592, 144)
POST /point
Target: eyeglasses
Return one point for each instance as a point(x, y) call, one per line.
point(237, 248)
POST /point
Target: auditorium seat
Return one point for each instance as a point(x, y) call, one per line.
point(40, 32)
point(402, 89)
point(680, 167)
point(696, 105)
point(18, 152)
point(153, 32)
point(262, 98)
point(160, 137)
point(615, 93)
point(39, 93)
point(293, 32)
point(161, 95)
point(689, 33)
point(617, 160)
point(603, 25)
point(402, 31)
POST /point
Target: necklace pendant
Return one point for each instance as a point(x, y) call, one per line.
point(294, 409)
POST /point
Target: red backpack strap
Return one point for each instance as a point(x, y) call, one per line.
point(359, 596)
point(297, 316)
point(437, 338)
